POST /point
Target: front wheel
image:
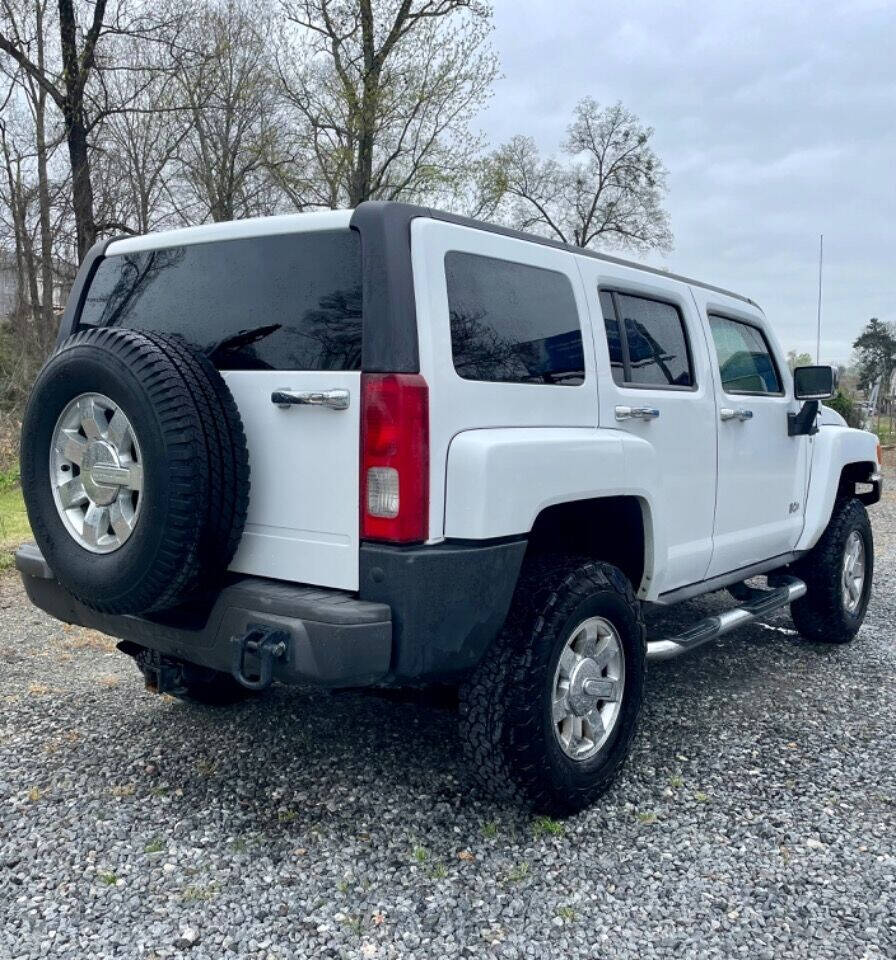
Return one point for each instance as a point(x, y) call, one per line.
point(549, 715)
point(838, 573)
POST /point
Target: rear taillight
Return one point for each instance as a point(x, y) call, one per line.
point(394, 457)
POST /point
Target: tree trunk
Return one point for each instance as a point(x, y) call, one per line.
point(48, 323)
point(82, 189)
point(75, 73)
point(362, 175)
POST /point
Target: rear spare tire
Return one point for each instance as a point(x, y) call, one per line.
point(127, 481)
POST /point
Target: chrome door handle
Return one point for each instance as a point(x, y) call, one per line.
point(637, 413)
point(334, 399)
point(726, 413)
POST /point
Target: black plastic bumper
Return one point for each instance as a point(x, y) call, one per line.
point(334, 638)
point(448, 602)
point(422, 613)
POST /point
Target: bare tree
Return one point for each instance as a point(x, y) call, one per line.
point(135, 157)
point(28, 21)
point(383, 91)
point(608, 190)
point(66, 88)
point(226, 87)
point(73, 81)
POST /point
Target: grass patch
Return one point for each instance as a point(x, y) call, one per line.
point(200, 894)
point(14, 528)
point(542, 826)
point(518, 873)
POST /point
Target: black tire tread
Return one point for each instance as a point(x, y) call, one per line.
point(176, 562)
point(205, 458)
point(819, 615)
point(227, 455)
point(496, 742)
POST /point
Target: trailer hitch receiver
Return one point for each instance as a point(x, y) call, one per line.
point(264, 645)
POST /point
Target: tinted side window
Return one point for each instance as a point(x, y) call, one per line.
point(647, 341)
point(614, 340)
point(512, 323)
point(290, 302)
point(745, 361)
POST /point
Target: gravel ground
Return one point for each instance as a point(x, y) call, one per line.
point(757, 817)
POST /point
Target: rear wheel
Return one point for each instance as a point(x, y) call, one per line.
point(549, 715)
point(838, 573)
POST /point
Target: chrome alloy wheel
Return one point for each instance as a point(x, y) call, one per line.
point(853, 571)
point(96, 472)
point(587, 689)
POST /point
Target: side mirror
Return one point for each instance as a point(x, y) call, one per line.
point(813, 383)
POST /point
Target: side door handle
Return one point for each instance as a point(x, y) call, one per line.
point(637, 413)
point(727, 413)
point(334, 399)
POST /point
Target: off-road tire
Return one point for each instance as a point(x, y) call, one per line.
point(178, 541)
point(506, 729)
point(820, 615)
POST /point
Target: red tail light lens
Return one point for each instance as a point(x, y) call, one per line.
point(394, 457)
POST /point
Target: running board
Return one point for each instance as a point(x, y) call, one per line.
point(787, 590)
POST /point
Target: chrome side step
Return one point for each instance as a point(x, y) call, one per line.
point(787, 590)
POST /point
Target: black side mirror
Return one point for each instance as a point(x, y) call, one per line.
point(813, 383)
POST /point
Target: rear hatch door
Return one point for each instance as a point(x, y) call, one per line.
point(276, 304)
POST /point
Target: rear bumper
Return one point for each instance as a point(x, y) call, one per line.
point(423, 613)
point(335, 639)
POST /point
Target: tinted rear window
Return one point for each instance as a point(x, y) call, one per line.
point(512, 323)
point(286, 302)
point(647, 341)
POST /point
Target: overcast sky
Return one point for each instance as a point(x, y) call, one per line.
point(777, 122)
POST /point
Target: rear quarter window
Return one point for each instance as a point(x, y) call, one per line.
point(284, 302)
point(512, 323)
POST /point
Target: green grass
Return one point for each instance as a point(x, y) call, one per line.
point(14, 527)
point(519, 872)
point(885, 433)
point(546, 825)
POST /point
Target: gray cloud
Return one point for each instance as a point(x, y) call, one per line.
point(776, 121)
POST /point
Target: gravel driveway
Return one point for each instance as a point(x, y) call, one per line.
point(757, 817)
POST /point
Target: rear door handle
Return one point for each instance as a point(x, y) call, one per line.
point(726, 413)
point(637, 413)
point(334, 399)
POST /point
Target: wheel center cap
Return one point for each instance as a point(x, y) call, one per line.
point(101, 472)
point(584, 694)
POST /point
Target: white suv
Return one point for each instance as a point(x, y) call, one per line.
point(474, 454)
